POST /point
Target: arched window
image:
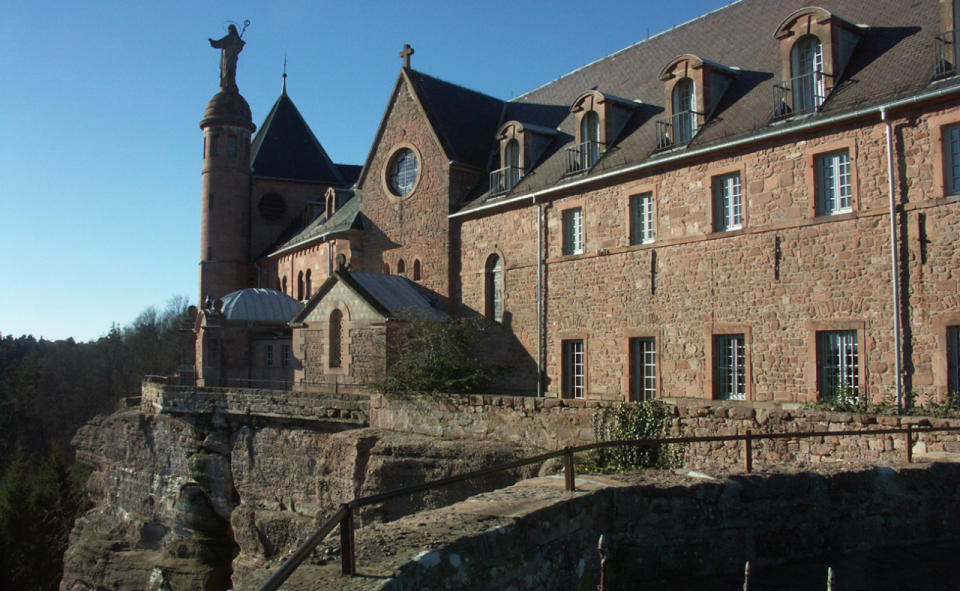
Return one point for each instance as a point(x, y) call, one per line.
point(590, 138)
point(401, 267)
point(283, 284)
point(807, 83)
point(300, 285)
point(416, 269)
point(386, 268)
point(494, 288)
point(684, 121)
point(336, 338)
point(309, 284)
point(329, 206)
point(511, 158)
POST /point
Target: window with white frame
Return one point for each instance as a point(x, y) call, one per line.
point(951, 151)
point(730, 367)
point(269, 356)
point(641, 219)
point(573, 231)
point(834, 188)
point(838, 364)
point(953, 358)
point(728, 202)
point(684, 122)
point(643, 369)
point(574, 369)
point(809, 90)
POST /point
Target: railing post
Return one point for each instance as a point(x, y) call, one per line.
point(748, 456)
point(568, 475)
point(909, 444)
point(348, 560)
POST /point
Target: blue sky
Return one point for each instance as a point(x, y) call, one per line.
point(100, 148)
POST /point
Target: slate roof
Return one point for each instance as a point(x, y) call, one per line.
point(465, 119)
point(392, 296)
point(260, 305)
point(894, 58)
point(285, 148)
point(347, 217)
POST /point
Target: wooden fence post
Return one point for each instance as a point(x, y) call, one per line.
point(348, 560)
point(748, 456)
point(568, 469)
point(909, 444)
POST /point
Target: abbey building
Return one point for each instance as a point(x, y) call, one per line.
point(761, 204)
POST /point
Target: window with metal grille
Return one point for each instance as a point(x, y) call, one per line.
point(642, 215)
point(574, 374)
point(953, 358)
point(808, 86)
point(494, 288)
point(685, 124)
point(839, 363)
point(728, 202)
point(336, 338)
point(269, 355)
point(573, 231)
point(951, 149)
point(834, 189)
point(730, 367)
point(643, 369)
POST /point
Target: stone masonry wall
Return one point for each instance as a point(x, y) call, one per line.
point(555, 423)
point(347, 408)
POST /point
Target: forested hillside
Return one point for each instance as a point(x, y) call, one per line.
point(48, 389)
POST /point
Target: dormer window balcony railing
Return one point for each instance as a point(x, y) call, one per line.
point(945, 48)
point(583, 156)
point(678, 129)
point(800, 95)
point(504, 179)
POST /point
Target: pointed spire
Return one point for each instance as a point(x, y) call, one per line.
point(284, 91)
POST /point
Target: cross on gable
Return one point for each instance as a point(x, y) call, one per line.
point(405, 54)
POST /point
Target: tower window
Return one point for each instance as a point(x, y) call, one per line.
point(309, 284)
point(231, 145)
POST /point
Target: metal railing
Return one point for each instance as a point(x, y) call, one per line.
point(583, 156)
point(678, 129)
point(800, 94)
point(504, 179)
point(344, 515)
point(945, 52)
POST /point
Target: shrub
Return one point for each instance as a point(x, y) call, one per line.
point(633, 420)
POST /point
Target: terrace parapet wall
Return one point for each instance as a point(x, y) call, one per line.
point(272, 404)
point(551, 423)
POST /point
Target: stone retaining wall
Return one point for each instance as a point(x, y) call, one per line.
point(551, 423)
point(280, 404)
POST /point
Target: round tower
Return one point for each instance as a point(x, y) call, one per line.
point(225, 221)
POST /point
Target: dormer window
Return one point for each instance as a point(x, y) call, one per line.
point(520, 147)
point(694, 87)
point(945, 44)
point(600, 119)
point(815, 47)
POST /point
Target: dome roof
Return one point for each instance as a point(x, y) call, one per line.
point(260, 305)
point(228, 107)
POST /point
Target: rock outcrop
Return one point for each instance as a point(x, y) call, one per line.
point(203, 501)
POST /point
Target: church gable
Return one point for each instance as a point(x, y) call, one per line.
point(351, 305)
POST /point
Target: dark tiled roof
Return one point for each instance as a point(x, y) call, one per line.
point(285, 148)
point(392, 296)
point(260, 305)
point(350, 173)
point(894, 57)
point(464, 119)
point(347, 217)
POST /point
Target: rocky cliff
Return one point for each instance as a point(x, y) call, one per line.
point(201, 501)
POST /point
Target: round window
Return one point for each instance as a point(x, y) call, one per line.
point(402, 174)
point(272, 206)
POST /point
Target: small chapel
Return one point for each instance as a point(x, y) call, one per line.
point(761, 204)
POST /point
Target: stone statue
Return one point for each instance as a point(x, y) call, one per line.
point(230, 47)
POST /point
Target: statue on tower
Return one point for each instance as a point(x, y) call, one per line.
point(230, 47)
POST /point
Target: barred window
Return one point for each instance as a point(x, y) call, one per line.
point(574, 369)
point(730, 367)
point(642, 217)
point(643, 369)
point(839, 363)
point(834, 189)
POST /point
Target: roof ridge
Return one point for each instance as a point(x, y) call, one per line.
point(627, 48)
point(454, 84)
